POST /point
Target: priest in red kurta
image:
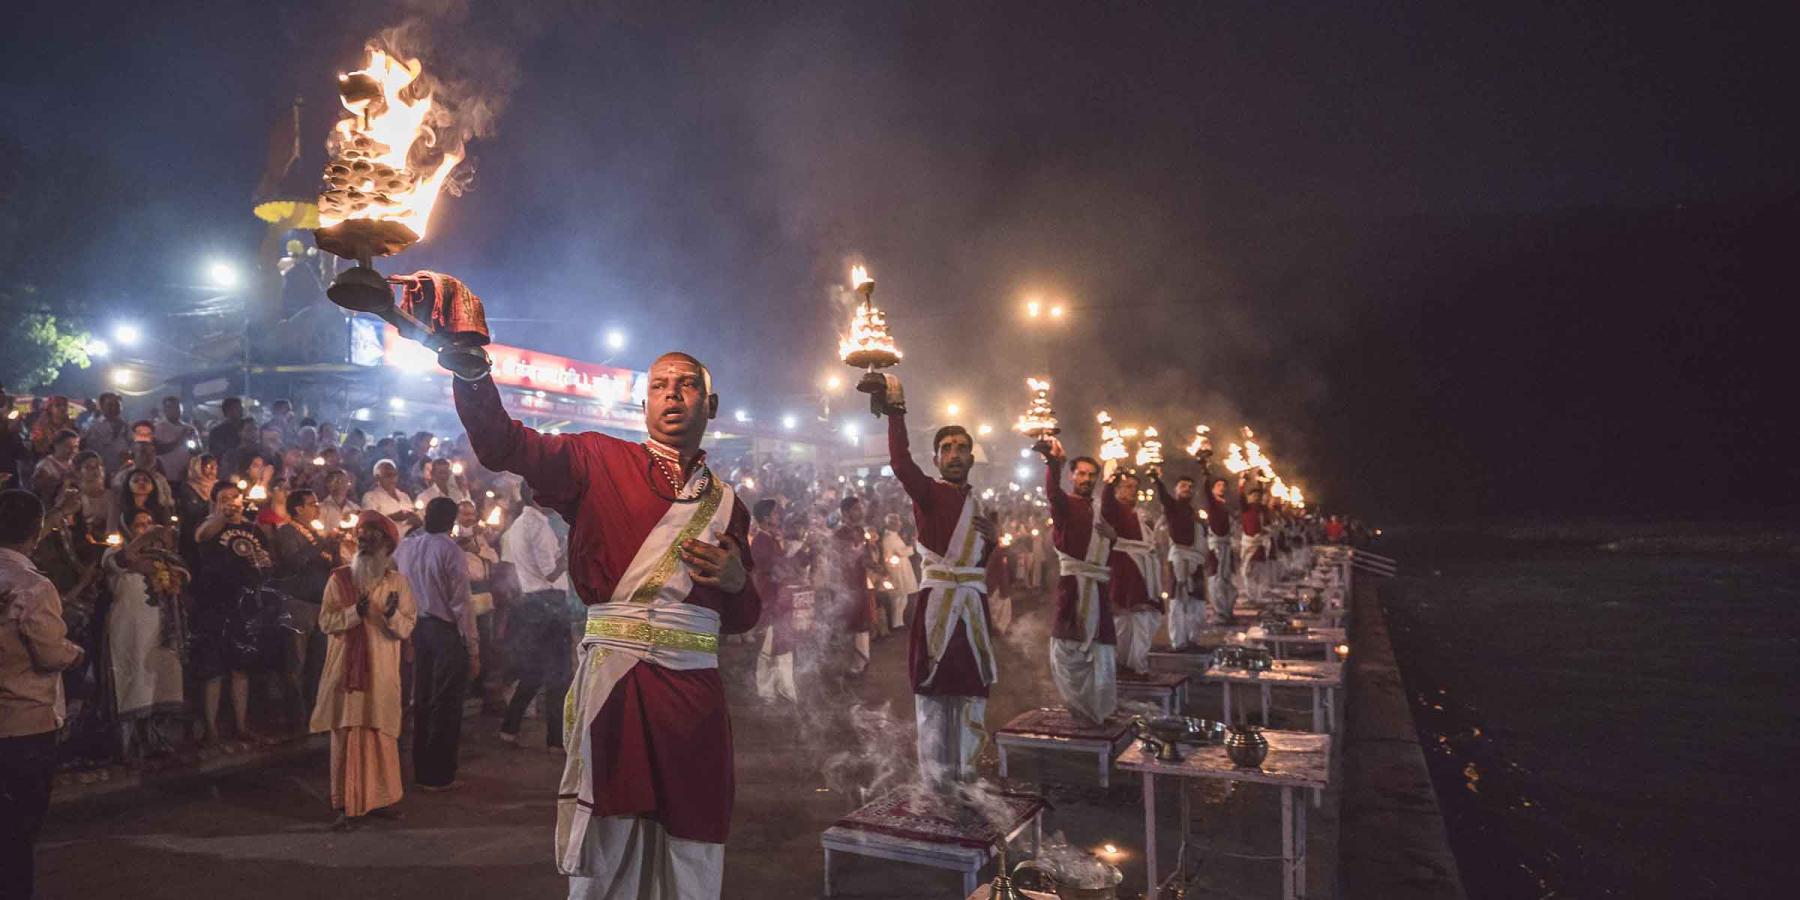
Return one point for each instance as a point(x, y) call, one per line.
point(657, 549)
point(1255, 546)
point(1220, 554)
point(854, 555)
point(1081, 636)
point(774, 577)
point(1136, 575)
point(950, 652)
point(1187, 561)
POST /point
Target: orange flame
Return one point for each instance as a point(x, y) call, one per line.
point(380, 167)
point(868, 335)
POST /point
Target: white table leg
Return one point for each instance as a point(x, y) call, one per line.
point(1150, 835)
point(1037, 833)
point(1287, 843)
point(1300, 848)
point(1181, 851)
point(1226, 685)
point(1106, 766)
point(1331, 707)
point(1002, 758)
point(1318, 713)
point(1265, 705)
point(969, 882)
point(828, 871)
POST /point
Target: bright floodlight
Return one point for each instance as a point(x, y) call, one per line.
point(121, 377)
point(222, 274)
point(789, 422)
point(1056, 312)
point(615, 339)
point(984, 428)
point(852, 432)
point(396, 403)
point(741, 415)
point(1023, 472)
point(127, 334)
point(952, 408)
point(1033, 308)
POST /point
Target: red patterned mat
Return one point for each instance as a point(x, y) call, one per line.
point(1056, 721)
point(937, 819)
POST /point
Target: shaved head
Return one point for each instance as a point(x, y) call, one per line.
point(705, 373)
point(679, 401)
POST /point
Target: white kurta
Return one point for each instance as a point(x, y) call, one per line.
point(146, 674)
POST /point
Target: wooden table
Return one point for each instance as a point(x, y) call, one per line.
point(1053, 728)
point(960, 839)
point(1322, 638)
point(1168, 690)
point(1325, 677)
point(1296, 760)
point(984, 893)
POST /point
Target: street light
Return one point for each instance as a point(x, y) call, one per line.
point(952, 408)
point(121, 377)
point(789, 422)
point(1033, 308)
point(1056, 312)
point(615, 339)
point(742, 415)
point(832, 383)
point(127, 334)
point(222, 275)
point(852, 432)
point(984, 428)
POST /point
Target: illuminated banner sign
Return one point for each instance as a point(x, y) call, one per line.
point(530, 370)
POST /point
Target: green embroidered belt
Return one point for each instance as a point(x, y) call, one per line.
point(646, 633)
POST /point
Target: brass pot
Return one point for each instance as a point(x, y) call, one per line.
point(1109, 891)
point(1245, 746)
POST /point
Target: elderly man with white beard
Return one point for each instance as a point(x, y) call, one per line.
point(367, 612)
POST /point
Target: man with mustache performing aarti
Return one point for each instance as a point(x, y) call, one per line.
point(658, 549)
point(950, 654)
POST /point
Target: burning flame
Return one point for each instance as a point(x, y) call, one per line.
point(114, 539)
point(868, 334)
point(380, 168)
point(1039, 418)
point(318, 525)
point(1150, 449)
point(1202, 440)
point(456, 468)
point(859, 276)
point(1112, 441)
point(258, 492)
point(493, 517)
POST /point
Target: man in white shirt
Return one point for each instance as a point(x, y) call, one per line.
point(176, 440)
point(443, 481)
point(538, 629)
point(387, 498)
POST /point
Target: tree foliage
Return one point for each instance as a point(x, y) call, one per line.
point(34, 348)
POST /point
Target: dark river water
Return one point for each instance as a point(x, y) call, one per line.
point(1602, 724)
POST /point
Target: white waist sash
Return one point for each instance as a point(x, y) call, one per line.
point(1143, 555)
point(953, 594)
point(1088, 578)
point(1186, 561)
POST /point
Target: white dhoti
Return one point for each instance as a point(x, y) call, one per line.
point(642, 862)
point(1135, 631)
point(1187, 613)
point(952, 732)
point(1256, 572)
point(774, 671)
point(1086, 677)
point(1219, 588)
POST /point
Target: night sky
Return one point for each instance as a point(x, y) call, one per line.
point(1449, 262)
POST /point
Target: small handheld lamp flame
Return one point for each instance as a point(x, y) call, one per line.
point(349, 522)
point(243, 485)
point(1202, 442)
point(748, 484)
point(1342, 651)
point(1006, 540)
point(1150, 449)
point(114, 539)
point(1039, 420)
point(318, 460)
point(258, 493)
point(869, 345)
point(318, 526)
point(456, 468)
point(419, 505)
point(493, 516)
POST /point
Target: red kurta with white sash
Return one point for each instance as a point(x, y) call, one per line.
point(950, 651)
point(649, 732)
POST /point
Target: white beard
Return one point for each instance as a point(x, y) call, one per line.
point(367, 569)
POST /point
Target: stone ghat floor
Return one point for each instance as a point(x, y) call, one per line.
point(262, 832)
